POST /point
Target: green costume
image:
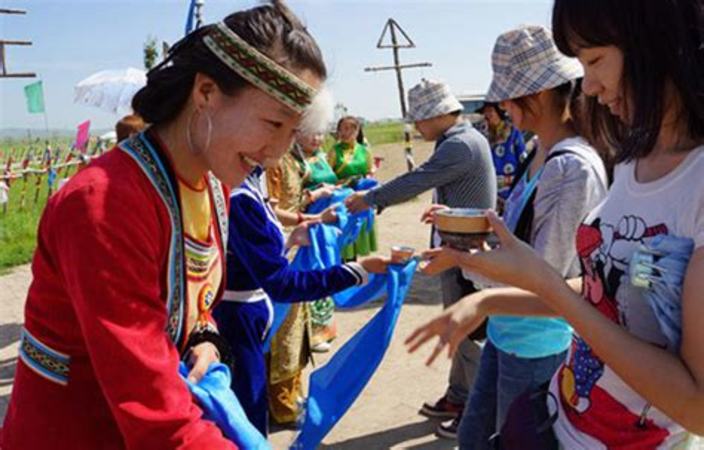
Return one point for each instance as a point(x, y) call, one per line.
point(319, 170)
point(351, 162)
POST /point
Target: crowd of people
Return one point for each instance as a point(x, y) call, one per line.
point(575, 328)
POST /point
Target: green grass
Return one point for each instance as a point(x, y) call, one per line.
point(19, 217)
point(18, 234)
point(378, 133)
point(18, 226)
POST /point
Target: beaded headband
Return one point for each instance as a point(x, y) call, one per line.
point(258, 69)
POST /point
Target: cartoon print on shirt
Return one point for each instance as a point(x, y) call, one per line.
point(604, 251)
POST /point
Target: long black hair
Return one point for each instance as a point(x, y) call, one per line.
point(661, 42)
point(272, 29)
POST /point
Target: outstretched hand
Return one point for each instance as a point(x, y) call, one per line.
point(324, 191)
point(375, 264)
point(513, 263)
point(356, 203)
point(451, 327)
point(329, 215)
point(440, 259)
point(428, 216)
point(300, 237)
point(200, 358)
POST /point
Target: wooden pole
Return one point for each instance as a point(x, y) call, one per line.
point(37, 186)
point(3, 63)
point(399, 78)
point(392, 26)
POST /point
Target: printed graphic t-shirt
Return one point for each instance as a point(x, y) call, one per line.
point(596, 408)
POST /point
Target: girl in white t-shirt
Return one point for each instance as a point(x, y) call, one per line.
point(623, 385)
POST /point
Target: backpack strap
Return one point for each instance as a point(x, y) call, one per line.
point(525, 221)
point(521, 169)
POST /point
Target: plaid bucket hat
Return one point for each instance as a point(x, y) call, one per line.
point(430, 99)
point(526, 61)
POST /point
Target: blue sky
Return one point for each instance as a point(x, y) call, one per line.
point(75, 38)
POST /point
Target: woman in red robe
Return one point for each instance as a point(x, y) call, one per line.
point(129, 260)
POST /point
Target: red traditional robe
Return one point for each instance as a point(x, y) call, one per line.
point(97, 302)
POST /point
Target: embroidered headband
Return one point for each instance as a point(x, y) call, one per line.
point(258, 69)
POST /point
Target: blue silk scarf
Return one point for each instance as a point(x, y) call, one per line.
point(334, 387)
point(220, 405)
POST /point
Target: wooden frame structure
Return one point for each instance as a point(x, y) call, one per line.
point(4, 43)
point(392, 28)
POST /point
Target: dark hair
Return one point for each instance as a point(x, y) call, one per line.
point(563, 98)
point(272, 29)
point(495, 106)
point(128, 125)
point(661, 41)
point(360, 129)
point(580, 110)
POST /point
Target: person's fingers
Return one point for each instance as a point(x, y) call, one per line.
point(428, 218)
point(436, 351)
point(454, 254)
point(453, 344)
point(419, 337)
point(499, 227)
point(436, 265)
point(431, 269)
point(431, 253)
point(412, 337)
point(198, 370)
point(459, 335)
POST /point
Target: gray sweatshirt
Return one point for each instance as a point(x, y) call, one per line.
point(461, 169)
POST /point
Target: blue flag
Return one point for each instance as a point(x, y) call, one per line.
point(51, 178)
point(190, 20)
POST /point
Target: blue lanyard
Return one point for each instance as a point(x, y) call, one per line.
point(519, 197)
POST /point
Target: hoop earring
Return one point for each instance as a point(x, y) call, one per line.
point(189, 138)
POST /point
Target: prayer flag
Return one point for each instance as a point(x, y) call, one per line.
point(82, 136)
point(190, 20)
point(51, 177)
point(4, 193)
point(35, 97)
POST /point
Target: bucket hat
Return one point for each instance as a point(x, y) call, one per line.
point(526, 61)
point(430, 99)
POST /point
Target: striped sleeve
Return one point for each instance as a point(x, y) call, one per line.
point(360, 275)
point(451, 160)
